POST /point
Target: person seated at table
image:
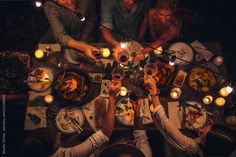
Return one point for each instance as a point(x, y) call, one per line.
point(139, 147)
point(122, 20)
point(179, 144)
point(67, 27)
point(45, 142)
point(163, 24)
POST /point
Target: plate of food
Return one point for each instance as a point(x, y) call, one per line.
point(125, 112)
point(192, 115)
point(72, 87)
point(76, 116)
point(40, 79)
point(201, 79)
point(182, 51)
point(164, 74)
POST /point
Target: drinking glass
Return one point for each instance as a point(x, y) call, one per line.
point(117, 74)
point(123, 57)
point(150, 69)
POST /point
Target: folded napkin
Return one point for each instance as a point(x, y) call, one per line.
point(89, 112)
point(202, 50)
point(53, 47)
point(146, 110)
point(173, 112)
point(35, 118)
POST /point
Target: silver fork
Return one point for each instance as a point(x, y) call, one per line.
point(68, 119)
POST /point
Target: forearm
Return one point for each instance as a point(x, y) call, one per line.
point(76, 45)
point(138, 122)
point(110, 118)
point(107, 35)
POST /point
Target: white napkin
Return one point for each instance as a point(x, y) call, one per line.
point(40, 111)
point(173, 112)
point(53, 47)
point(89, 112)
point(146, 110)
point(202, 50)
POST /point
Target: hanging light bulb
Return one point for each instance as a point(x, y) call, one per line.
point(38, 3)
point(172, 60)
point(81, 17)
point(229, 89)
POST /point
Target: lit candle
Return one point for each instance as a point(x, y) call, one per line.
point(39, 54)
point(224, 92)
point(207, 99)
point(48, 99)
point(123, 91)
point(105, 52)
point(218, 60)
point(220, 101)
point(175, 93)
point(123, 45)
point(158, 51)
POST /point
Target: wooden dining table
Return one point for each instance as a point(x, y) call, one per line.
point(57, 62)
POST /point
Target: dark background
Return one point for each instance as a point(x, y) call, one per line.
point(22, 26)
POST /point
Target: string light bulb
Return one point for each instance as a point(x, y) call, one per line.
point(38, 3)
point(81, 17)
point(172, 60)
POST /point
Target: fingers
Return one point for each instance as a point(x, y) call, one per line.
point(90, 55)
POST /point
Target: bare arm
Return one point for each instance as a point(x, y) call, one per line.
point(143, 28)
point(107, 35)
point(151, 19)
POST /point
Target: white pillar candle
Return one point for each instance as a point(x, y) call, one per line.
point(39, 54)
point(175, 93)
point(224, 92)
point(48, 99)
point(123, 91)
point(207, 99)
point(218, 60)
point(105, 52)
point(220, 101)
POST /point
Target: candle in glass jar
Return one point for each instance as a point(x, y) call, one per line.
point(175, 93)
point(158, 51)
point(218, 60)
point(105, 52)
point(207, 99)
point(123, 91)
point(224, 92)
point(39, 54)
point(220, 101)
point(48, 99)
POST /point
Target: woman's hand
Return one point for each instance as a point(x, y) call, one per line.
point(151, 83)
point(114, 88)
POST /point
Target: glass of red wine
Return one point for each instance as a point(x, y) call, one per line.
point(123, 57)
point(150, 69)
point(117, 74)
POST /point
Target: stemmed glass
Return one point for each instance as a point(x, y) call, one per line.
point(123, 57)
point(150, 69)
point(117, 74)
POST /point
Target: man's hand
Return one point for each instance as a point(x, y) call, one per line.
point(115, 88)
point(89, 50)
point(118, 49)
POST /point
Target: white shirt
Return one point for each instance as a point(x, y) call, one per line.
point(172, 134)
point(84, 149)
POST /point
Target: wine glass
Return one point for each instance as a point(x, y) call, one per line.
point(150, 69)
point(123, 57)
point(117, 74)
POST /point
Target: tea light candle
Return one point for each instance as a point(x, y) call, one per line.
point(48, 99)
point(158, 51)
point(207, 99)
point(123, 91)
point(224, 92)
point(175, 93)
point(220, 101)
point(218, 60)
point(105, 52)
point(39, 54)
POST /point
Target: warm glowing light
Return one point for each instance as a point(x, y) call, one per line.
point(158, 51)
point(229, 89)
point(106, 52)
point(48, 99)
point(220, 101)
point(39, 54)
point(224, 92)
point(123, 45)
point(218, 60)
point(207, 99)
point(38, 4)
point(82, 19)
point(175, 93)
point(123, 91)
point(171, 63)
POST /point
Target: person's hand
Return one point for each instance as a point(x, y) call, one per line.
point(117, 50)
point(203, 132)
point(114, 88)
point(89, 50)
point(151, 83)
point(136, 106)
point(140, 56)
